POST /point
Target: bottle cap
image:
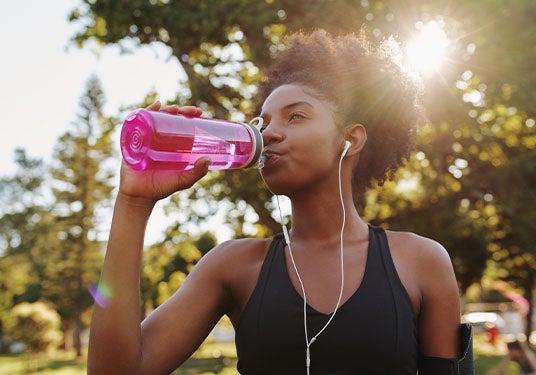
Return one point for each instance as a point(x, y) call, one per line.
point(258, 144)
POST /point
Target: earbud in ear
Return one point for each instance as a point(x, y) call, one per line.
point(347, 145)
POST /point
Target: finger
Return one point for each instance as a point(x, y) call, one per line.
point(190, 110)
point(202, 162)
point(201, 166)
point(155, 106)
point(199, 170)
point(172, 109)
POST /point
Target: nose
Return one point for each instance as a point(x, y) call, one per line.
point(271, 134)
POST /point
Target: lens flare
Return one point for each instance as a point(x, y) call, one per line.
point(101, 294)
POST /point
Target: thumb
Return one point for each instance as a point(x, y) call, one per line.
point(201, 165)
point(199, 170)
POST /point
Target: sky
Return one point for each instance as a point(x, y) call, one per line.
point(43, 76)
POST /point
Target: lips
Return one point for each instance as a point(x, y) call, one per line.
point(268, 158)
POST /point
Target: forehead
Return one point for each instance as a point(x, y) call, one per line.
point(288, 94)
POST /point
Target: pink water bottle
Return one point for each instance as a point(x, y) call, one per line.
point(159, 140)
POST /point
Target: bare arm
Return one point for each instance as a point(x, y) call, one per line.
point(115, 345)
point(176, 328)
point(439, 317)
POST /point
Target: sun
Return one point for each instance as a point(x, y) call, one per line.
point(426, 53)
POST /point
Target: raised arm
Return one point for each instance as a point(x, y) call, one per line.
point(115, 345)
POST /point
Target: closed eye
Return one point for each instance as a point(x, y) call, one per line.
point(296, 116)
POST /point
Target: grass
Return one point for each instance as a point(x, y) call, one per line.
point(210, 359)
point(487, 356)
point(60, 363)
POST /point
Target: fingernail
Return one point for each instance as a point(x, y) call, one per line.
point(205, 162)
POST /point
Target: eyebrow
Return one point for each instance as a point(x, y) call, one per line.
point(297, 104)
point(289, 106)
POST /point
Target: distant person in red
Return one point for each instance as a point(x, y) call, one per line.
point(493, 332)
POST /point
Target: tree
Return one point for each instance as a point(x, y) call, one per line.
point(475, 185)
point(36, 325)
point(513, 246)
point(81, 183)
point(24, 202)
point(166, 264)
point(223, 46)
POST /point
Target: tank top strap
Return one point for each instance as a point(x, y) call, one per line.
point(382, 244)
point(403, 306)
point(276, 246)
point(269, 266)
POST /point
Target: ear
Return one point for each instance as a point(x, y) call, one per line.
point(357, 135)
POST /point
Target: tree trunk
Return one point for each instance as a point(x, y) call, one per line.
point(67, 335)
point(77, 333)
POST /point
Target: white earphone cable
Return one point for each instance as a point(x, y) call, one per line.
point(341, 241)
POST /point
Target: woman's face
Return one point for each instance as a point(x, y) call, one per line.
point(302, 144)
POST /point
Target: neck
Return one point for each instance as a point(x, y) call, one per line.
point(318, 217)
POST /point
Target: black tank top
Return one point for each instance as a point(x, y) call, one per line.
point(374, 332)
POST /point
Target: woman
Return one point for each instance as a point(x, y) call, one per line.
point(333, 295)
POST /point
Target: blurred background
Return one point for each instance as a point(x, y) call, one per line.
point(72, 70)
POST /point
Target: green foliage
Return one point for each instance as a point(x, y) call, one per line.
point(166, 264)
point(36, 325)
point(470, 185)
point(241, 197)
point(16, 280)
point(23, 206)
point(81, 185)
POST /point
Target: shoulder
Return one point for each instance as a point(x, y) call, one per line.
point(424, 267)
point(235, 266)
point(245, 248)
point(419, 250)
point(233, 258)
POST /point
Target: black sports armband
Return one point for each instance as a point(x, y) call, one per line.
point(448, 366)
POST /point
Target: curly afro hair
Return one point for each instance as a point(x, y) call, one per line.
point(366, 84)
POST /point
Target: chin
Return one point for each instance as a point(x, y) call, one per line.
point(276, 186)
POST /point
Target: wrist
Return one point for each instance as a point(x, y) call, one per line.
point(135, 202)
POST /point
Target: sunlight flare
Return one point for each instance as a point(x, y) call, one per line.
point(426, 53)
